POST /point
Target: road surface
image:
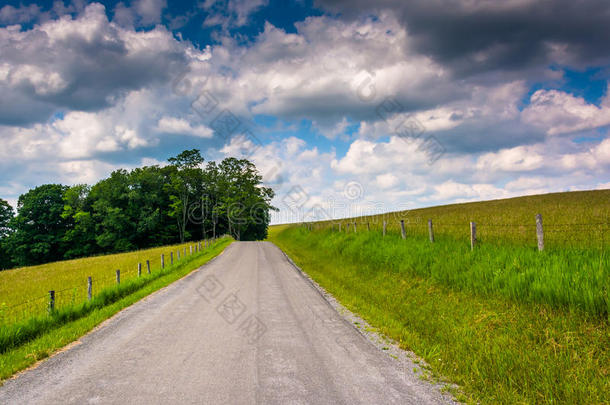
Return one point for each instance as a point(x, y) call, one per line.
point(246, 328)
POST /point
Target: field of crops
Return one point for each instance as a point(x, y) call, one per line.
point(24, 291)
point(573, 219)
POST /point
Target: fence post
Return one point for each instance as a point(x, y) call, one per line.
point(139, 269)
point(89, 288)
point(384, 227)
point(430, 230)
point(368, 226)
point(118, 276)
point(539, 232)
point(51, 301)
point(148, 266)
point(171, 258)
point(339, 226)
point(402, 229)
point(162, 261)
point(178, 255)
point(473, 235)
point(191, 250)
point(347, 227)
point(354, 227)
point(200, 246)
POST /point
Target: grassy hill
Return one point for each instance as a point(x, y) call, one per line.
point(571, 219)
point(507, 323)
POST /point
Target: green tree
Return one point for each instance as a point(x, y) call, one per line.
point(6, 217)
point(185, 182)
point(80, 236)
point(39, 227)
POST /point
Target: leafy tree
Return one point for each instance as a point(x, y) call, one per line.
point(80, 237)
point(6, 217)
point(114, 228)
point(185, 180)
point(39, 226)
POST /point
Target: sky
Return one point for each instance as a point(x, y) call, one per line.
point(346, 107)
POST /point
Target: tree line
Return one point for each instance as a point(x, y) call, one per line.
point(145, 207)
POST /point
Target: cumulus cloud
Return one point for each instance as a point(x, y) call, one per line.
point(559, 112)
point(83, 63)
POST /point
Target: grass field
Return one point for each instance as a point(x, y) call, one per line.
point(573, 219)
point(29, 340)
point(24, 291)
point(507, 323)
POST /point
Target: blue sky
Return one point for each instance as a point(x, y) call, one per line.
point(346, 107)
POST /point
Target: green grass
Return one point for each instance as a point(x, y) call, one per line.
point(24, 291)
point(26, 342)
point(506, 323)
point(573, 219)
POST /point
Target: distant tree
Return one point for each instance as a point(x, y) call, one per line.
point(185, 181)
point(39, 227)
point(80, 237)
point(114, 228)
point(6, 217)
point(244, 201)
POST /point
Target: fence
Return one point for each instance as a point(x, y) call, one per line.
point(537, 233)
point(69, 296)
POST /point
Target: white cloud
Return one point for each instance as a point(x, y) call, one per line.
point(172, 125)
point(559, 112)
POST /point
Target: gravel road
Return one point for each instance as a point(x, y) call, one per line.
point(245, 328)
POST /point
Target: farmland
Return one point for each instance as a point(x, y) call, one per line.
point(506, 322)
point(24, 291)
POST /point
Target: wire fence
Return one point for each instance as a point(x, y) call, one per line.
point(70, 296)
point(581, 235)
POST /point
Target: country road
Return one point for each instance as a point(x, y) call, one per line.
point(246, 328)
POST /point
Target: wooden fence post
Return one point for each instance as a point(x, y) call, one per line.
point(354, 227)
point(539, 232)
point(148, 266)
point(368, 226)
point(384, 227)
point(402, 229)
point(430, 230)
point(89, 288)
point(118, 276)
point(139, 269)
point(200, 246)
point(473, 235)
point(178, 255)
point(184, 253)
point(191, 249)
point(347, 227)
point(162, 261)
point(171, 258)
point(51, 301)
point(339, 226)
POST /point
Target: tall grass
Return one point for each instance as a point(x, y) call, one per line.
point(568, 278)
point(507, 324)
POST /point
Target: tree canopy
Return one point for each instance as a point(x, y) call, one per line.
point(145, 207)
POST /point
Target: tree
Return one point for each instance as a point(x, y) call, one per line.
point(80, 236)
point(185, 181)
point(39, 227)
point(6, 217)
point(243, 199)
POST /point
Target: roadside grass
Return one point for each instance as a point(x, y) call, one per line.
point(24, 291)
point(508, 325)
point(24, 343)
